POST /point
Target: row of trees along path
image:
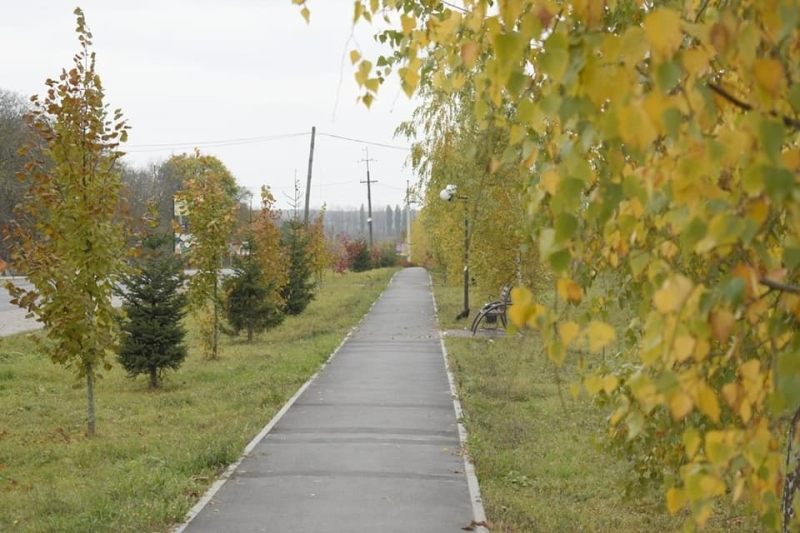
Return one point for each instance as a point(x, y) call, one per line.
point(71, 235)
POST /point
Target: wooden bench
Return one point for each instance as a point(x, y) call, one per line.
point(495, 311)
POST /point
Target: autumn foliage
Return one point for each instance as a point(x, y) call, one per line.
point(656, 149)
point(68, 235)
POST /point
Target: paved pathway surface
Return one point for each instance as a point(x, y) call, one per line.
point(372, 444)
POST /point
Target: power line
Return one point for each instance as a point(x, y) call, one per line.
point(361, 141)
point(222, 142)
point(459, 8)
point(155, 147)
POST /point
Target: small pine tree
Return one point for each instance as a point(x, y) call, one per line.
point(153, 307)
point(248, 305)
point(299, 290)
point(362, 259)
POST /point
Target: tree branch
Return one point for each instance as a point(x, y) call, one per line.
point(789, 122)
point(777, 286)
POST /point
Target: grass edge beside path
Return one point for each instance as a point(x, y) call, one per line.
point(156, 453)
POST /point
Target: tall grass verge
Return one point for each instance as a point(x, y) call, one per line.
point(155, 453)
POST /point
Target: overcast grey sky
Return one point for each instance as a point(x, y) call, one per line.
point(244, 80)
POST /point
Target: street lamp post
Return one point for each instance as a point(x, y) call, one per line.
point(448, 194)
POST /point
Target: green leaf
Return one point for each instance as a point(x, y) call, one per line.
point(733, 291)
point(791, 256)
point(673, 119)
point(696, 230)
point(788, 377)
point(517, 83)
point(507, 47)
point(555, 59)
point(778, 182)
point(794, 97)
point(569, 107)
point(772, 134)
point(668, 75)
point(635, 422)
point(550, 105)
point(560, 261)
point(639, 260)
point(566, 225)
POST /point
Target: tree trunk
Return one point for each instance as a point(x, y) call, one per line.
point(215, 331)
point(792, 479)
point(153, 378)
point(90, 400)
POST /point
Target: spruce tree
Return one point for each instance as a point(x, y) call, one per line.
point(248, 305)
point(299, 291)
point(154, 306)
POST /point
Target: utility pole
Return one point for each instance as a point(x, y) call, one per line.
point(369, 196)
point(310, 163)
point(408, 222)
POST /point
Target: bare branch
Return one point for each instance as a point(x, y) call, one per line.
point(789, 122)
point(777, 286)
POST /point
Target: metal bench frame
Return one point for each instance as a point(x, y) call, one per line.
point(494, 311)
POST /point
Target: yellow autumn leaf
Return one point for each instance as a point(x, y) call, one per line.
point(538, 310)
point(695, 61)
point(672, 294)
point(568, 331)
point(469, 53)
point(768, 74)
point(408, 23)
point(593, 384)
point(521, 306)
point(730, 393)
point(721, 324)
point(635, 127)
point(751, 370)
point(745, 411)
point(569, 291)
point(663, 30)
point(676, 499)
point(712, 485)
point(750, 278)
point(550, 180)
point(362, 74)
point(708, 404)
point(600, 335)
point(610, 384)
point(791, 158)
point(683, 347)
point(680, 405)
point(354, 56)
point(691, 442)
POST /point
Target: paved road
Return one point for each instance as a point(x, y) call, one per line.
point(12, 318)
point(372, 444)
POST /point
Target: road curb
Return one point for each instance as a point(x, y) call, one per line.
point(478, 512)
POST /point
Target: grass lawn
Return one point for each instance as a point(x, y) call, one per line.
point(155, 453)
point(533, 445)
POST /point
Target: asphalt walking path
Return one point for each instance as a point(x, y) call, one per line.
point(371, 444)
